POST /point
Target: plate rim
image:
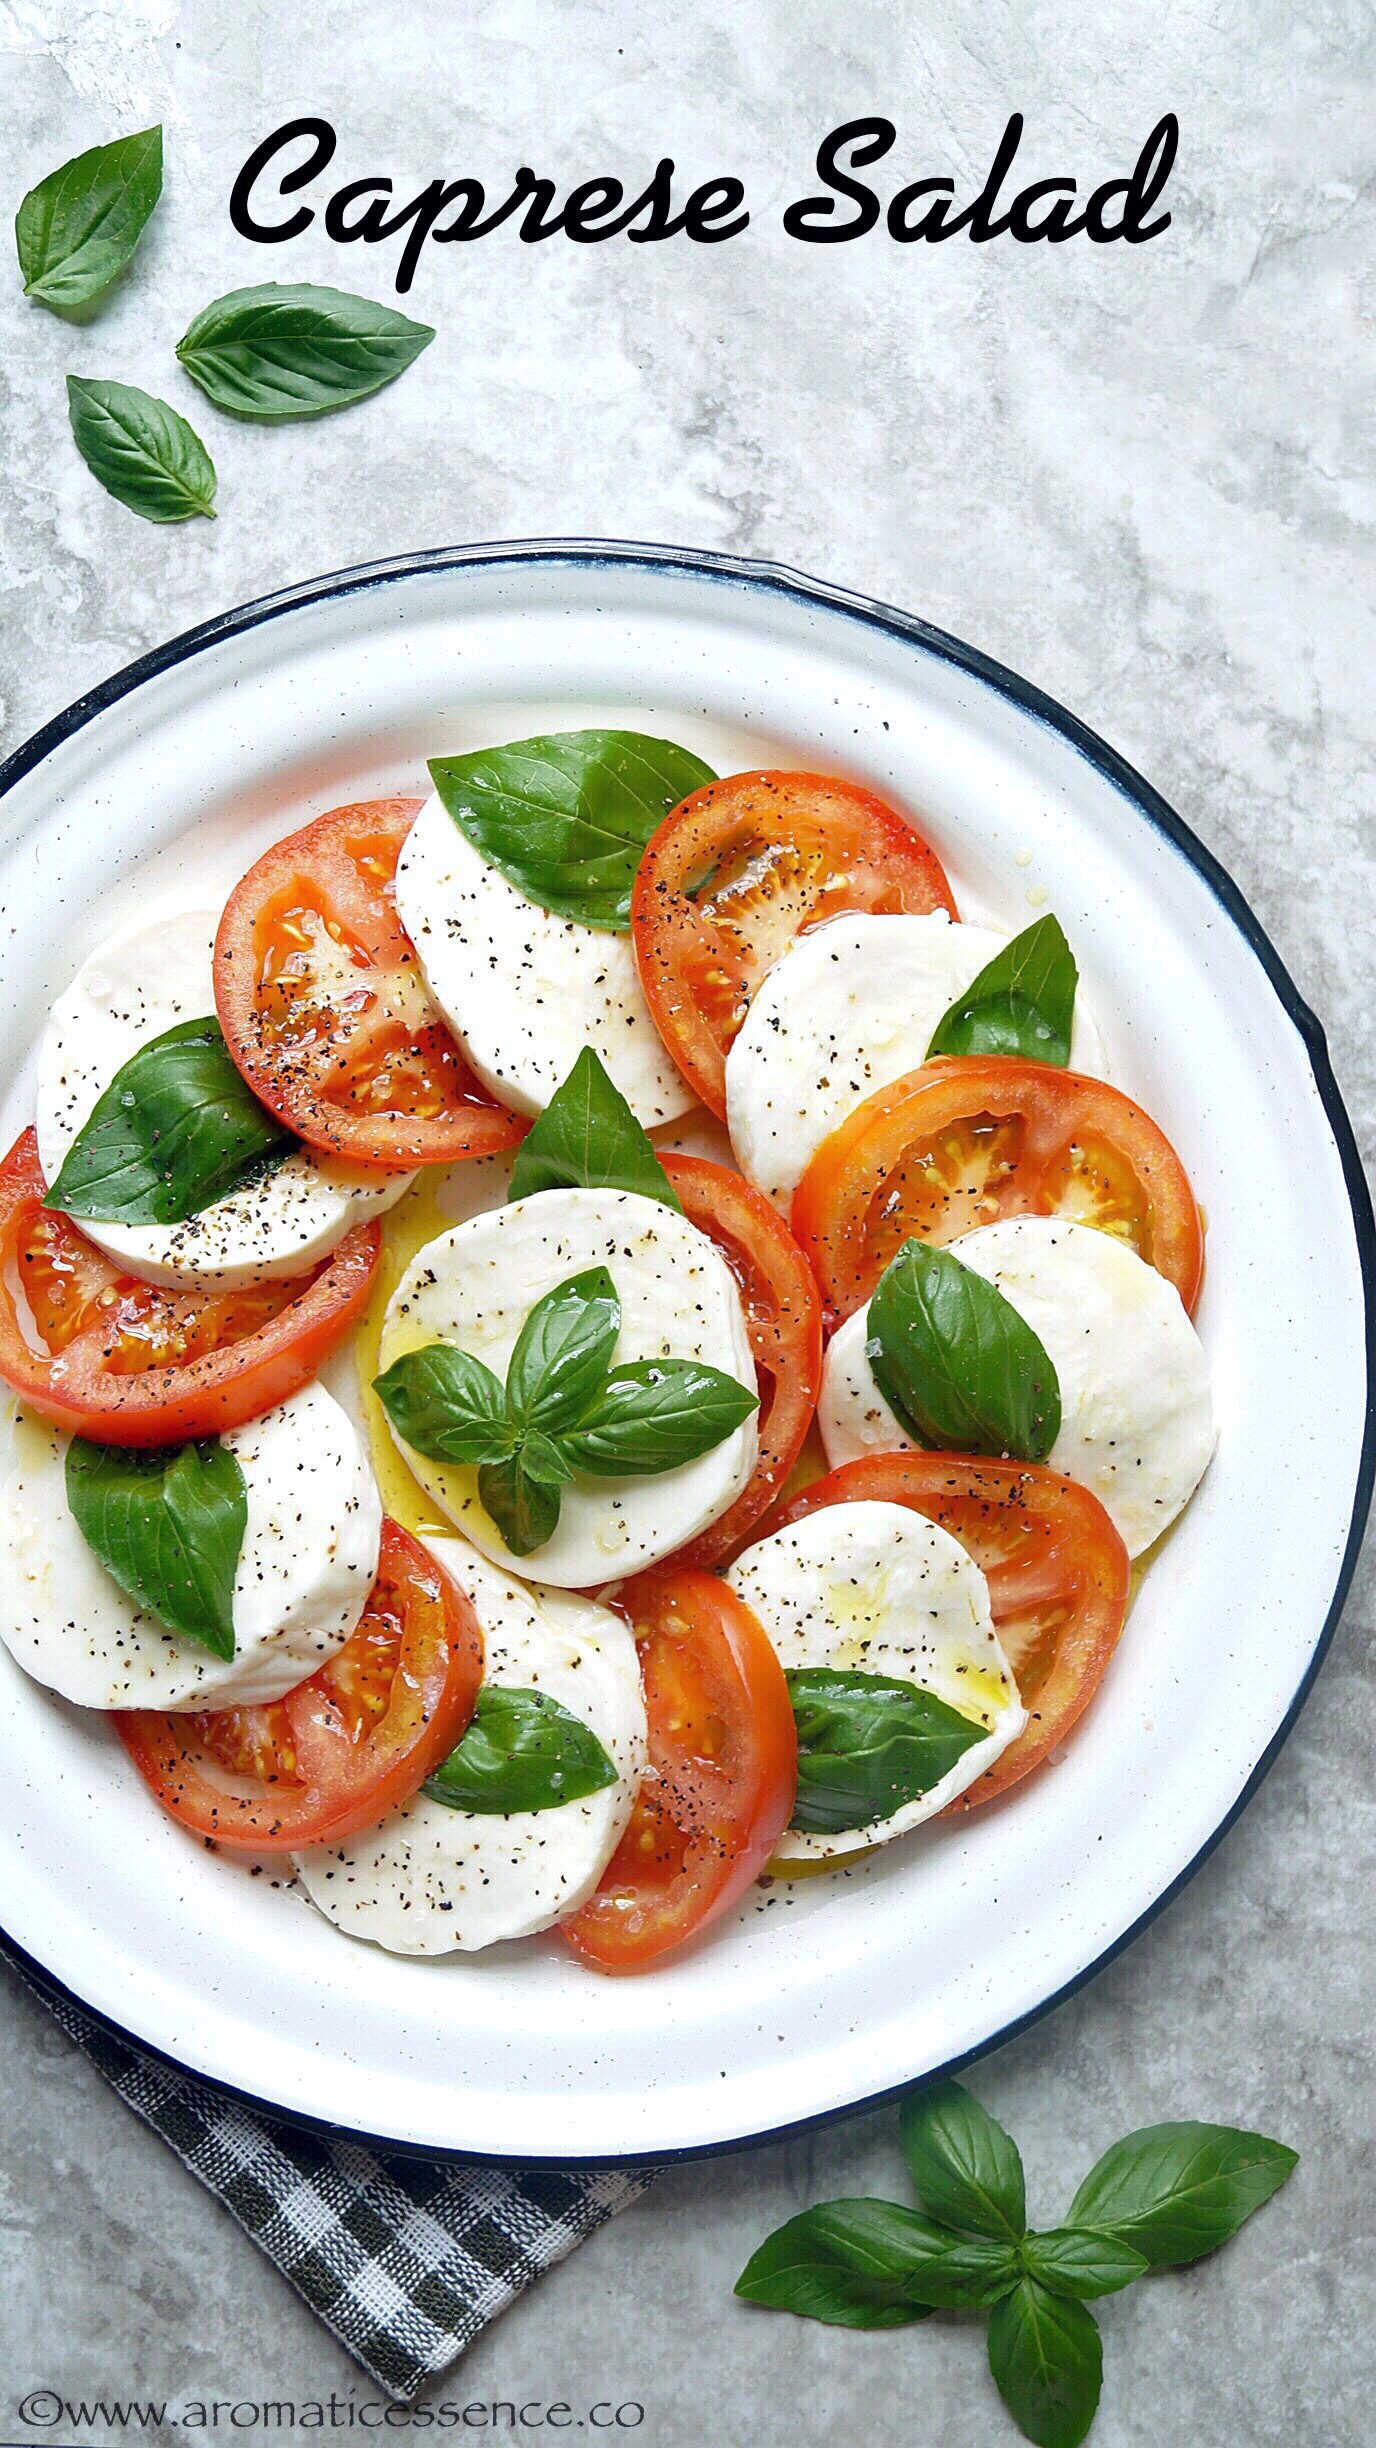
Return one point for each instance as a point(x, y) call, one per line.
point(778, 577)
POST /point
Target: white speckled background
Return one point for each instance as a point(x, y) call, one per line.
point(1143, 477)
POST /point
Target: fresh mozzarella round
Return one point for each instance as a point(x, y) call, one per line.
point(306, 1566)
point(1137, 1425)
point(523, 990)
point(852, 1005)
point(876, 1589)
point(436, 1881)
point(144, 981)
point(475, 1286)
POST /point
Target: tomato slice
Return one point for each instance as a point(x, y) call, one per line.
point(1057, 1570)
point(324, 1008)
point(132, 1363)
point(723, 1769)
point(972, 1137)
point(784, 1317)
point(738, 870)
point(343, 1749)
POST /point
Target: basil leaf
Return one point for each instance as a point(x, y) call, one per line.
point(1022, 1003)
point(540, 1458)
point(296, 350)
point(563, 1352)
point(867, 1745)
point(1047, 2359)
point(955, 2273)
point(443, 1402)
point(653, 1415)
point(522, 1751)
point(961, 1368)
point(79, 226)
point(847, 2262)
point(525, 1508)
point(1083, 2262)
point(965, 2168)
point(168, 1523)
point(566, 816)
point(176, 1130)
point(1176, 2191)
point(587, 1138)
point(144, 454)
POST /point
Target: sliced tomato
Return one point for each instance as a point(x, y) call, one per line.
point(1057, 1571)
point(723, 1769)
point(738, 870)
point(972, 1137)
point(324, 1008)
point(784, 1316)
point(342, 1750)
point(103, 1355)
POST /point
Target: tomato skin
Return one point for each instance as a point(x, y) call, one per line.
point(385, 1083)
point(854, 1206)
point(720, 1785)
point(796, 848)
point(94, 1381)
point(336, 1754)
point(1058, 1573)
point(784, 1316)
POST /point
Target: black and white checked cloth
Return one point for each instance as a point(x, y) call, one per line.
point(405, 2259)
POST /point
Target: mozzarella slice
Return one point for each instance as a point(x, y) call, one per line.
point(144, 981)
point(475, 1286)
point(1137, 1425)
point(306, 1566)
point(435, 1881)
point(876, 1589)
point(522, 990)
point(851, 1005)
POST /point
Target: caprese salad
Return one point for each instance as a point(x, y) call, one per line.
point(584, 1339)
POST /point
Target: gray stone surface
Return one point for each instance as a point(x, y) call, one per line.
point(1145, 479)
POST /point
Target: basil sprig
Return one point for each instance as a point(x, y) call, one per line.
point(867, 1745)
point(957, 1363)
point(296, 350)
point(566, 1407)
point(566, 816)
point(587, 1138)
point(168, 1523)
point(521, 1751)
point(79, 226)
point(177, 1129)
point(1022, 1003)
point(1167, 2194)
point(143, 453)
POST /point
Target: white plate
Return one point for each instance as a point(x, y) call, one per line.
point(824, 1995)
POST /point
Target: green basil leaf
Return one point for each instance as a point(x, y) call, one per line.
point(1176, 2191)
point(525, 1509)
point(144, 454)
point(168, 1523)
point(176, 1130)
point(1047, 2359)
point(1083, 2262)
point(587, 1138)
point(566, 816)
point(965, 2168)
point(868, 1745)
point(540, 1458)
point(522, 1751)
point(443, 1402)
point(654, 1414)
point(956, 1362)
point(563, 1352)
point(296, 350)
point(79, 226)
point(955, 2273)
point(1022, 1003)
point(847, 2262)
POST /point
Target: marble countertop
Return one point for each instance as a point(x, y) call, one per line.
point(1143, 477)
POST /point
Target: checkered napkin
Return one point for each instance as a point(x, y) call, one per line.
point(406, 2260)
